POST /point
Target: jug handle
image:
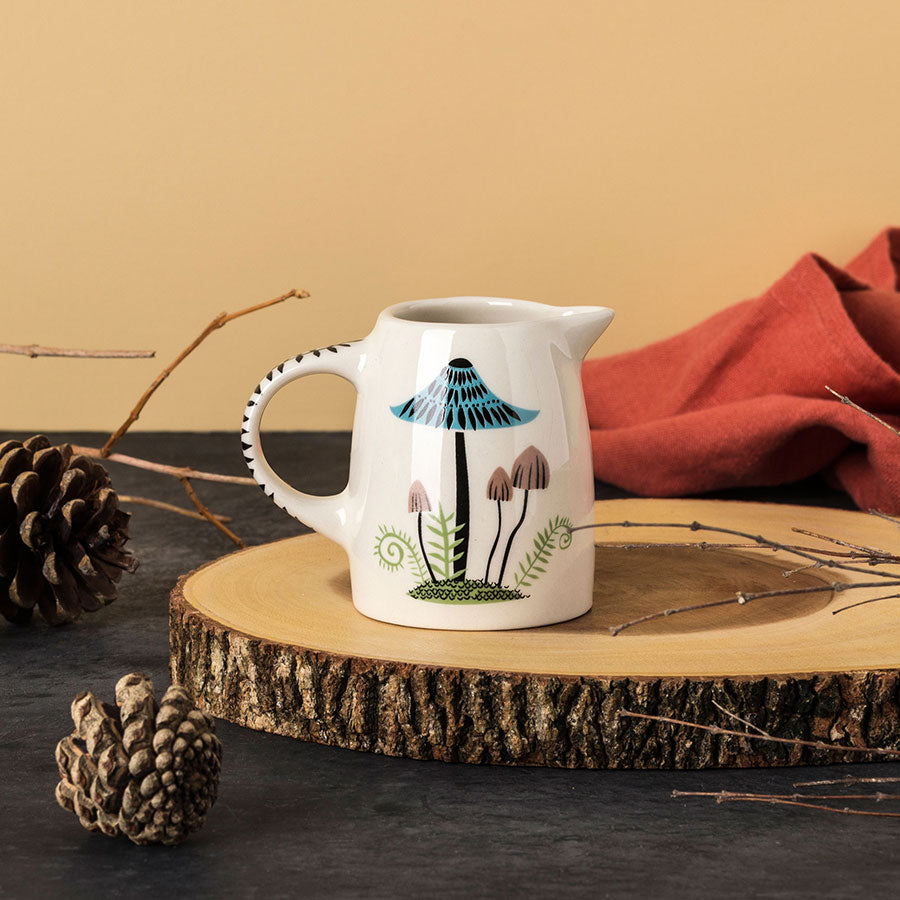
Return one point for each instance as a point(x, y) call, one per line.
point(327, 515)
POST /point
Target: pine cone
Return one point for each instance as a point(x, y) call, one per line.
point(62, 534)
point(150, 774)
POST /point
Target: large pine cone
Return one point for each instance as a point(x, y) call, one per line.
point(150, 774)
point(62, 534)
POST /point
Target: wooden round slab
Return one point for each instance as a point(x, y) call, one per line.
point(268, 638)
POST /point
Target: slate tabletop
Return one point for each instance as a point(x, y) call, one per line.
point(301, 820)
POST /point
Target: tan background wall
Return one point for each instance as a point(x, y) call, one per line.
point(161, 162)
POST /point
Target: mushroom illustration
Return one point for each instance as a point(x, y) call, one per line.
point(459, 400)
point(500, 489)
point(531, 472)
point(419, 503)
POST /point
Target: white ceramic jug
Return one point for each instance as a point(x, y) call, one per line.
point(470, 459)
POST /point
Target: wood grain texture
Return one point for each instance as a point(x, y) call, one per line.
point(268, 638)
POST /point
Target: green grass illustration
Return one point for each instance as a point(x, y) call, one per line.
point(464, 590)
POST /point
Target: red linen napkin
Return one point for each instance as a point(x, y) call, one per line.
point(740, 399)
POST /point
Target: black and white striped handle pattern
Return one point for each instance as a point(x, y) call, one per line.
point(327, 515)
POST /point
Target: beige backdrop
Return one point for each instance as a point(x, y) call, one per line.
point(161, 162)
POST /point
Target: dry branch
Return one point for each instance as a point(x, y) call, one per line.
point(738, 718)
point(847, 779)
point(834, 612)
point(757, 539)
point(34, 350)
point(779, 800)
point(220, 320)
point(205, 512)
point(848, 402)
point(168, 507)
point(162, 468)
point(741, 597)
point(872, 553)
point(884, 515)
point(763, 736)
point(726, 796)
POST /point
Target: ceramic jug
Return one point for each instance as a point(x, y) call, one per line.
point(470, 460)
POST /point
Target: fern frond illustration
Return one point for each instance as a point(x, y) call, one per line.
point(442, 556)
point(394, 548)
point(556, 534)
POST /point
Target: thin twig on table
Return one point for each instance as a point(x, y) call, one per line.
point(788, 572)
point(162, 468)
point(168, 507)
point(755, 538)
point(737, 718)
point(34, 350)
point(847, 779)
point(848, 402)
point(797, 742)
point(686, 545)
point(710, 545)
point(868, 551)
point(205, 512)
point(834, 612)
point(726, 796)
point(892, 579)
point(884, 515)
point(743, 597)
point(774, 800)
point(220, 320)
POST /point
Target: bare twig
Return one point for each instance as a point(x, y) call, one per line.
point(796, 742)
point(884, 515)
point(834, 612)
point(788, 572)
point(755, 538)
point(714, 545)
point(775, 800)
point(686, 545)
point(220, 320)
point(737, 718)
point(848, 779)
point(742, 597)
point(168, 507)
point(848, 402)
point(726, 796)
point(176, 471)
point(867, 551)
point(204, 511)
point(34, 350)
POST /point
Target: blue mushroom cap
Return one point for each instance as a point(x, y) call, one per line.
point(459, 400)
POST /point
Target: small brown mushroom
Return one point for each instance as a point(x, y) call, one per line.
point(530, 472)
point(418, 498)
point(419, 503)
point(499, 488)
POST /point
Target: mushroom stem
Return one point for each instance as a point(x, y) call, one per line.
point(512, 537)
point(424, 552)
point(462, 505)
point(487, 571)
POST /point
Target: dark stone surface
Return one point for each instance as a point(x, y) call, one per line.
point(298, 819)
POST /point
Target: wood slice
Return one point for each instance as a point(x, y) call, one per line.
point(268, 638)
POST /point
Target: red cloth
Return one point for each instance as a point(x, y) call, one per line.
point(740, 399)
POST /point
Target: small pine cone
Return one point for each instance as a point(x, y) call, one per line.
point(150, 773)
point(62, 534)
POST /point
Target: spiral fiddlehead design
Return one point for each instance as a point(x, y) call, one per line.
point(394, 549)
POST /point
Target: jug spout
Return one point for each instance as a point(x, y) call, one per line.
point(582, 325)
